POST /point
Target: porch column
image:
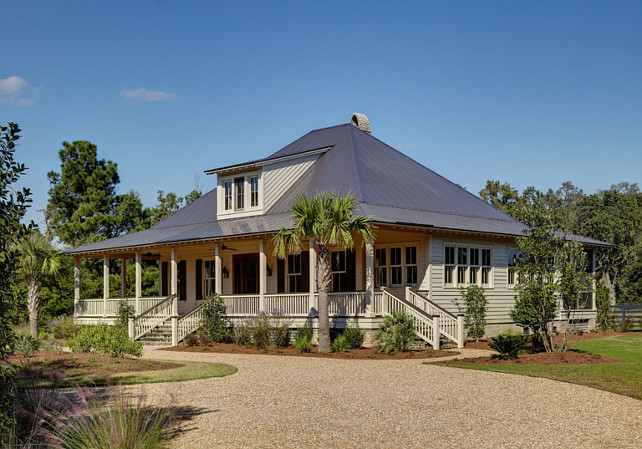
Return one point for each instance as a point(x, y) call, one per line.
point(369, 279)
point(262, 275)
point(313, 277)
point(105, 283)
point(218, 267)
point(173, 289)
point(76, 281)
point(138, 261)
point(123, 277)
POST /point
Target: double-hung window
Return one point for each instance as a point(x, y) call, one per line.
point(209, 277)
point(513, 255)
point(227, 192)
point(467, 265)
point(254, 191)
point(396, 265)
point(294, 272)
point(242, 193)
point(339, 276)
point(239, 186)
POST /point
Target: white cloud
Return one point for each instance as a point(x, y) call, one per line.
point(146, 94)
point(17, 91)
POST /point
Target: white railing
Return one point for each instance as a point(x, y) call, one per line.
point(346, 303)
point(154, 317)
point(450, 325)
point(190, 322)
point(424, 325)
point(377, 303)
point(289, 303)
point(241, 305)
point(96, 307)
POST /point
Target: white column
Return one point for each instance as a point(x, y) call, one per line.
point(369, 279)
point(138, 261)
point(313, 277)
point(123, 277)
point(218, 266)
point(435, 332)
point(460, 331)
point(105, 283)
point(262, 274)
point(76, 279)
point(173, 289)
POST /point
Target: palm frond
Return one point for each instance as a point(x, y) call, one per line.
point(286, 241)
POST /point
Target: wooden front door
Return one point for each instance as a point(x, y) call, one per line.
point(246, 273)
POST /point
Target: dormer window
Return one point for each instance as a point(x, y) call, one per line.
point(241, 194)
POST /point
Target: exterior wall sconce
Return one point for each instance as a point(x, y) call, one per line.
point(226, 274)
point(268, 270)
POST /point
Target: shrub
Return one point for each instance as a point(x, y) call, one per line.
point(191, 340)
point(203, 338)
point(507, 344)
point(473, 307)
point(260, 330)
point(626, 326)
point(279, 323)
point(62, 327)
point(103, 339)
point(303, 339)
point(340, 344)
point(125, 312)
point(396, 333)
point(215, 323)
point(26, 345)
point(242, 335)
point(603, 303)
point(354, 337)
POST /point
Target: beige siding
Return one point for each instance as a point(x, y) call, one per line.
point(278, 178)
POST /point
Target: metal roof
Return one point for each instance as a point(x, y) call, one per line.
point(389, 186)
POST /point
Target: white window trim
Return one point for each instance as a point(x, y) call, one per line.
point(455, 284)
point(388, 266)
point(248, 209)
point(205, 278)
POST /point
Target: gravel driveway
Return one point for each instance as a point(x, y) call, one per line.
point(293, 402)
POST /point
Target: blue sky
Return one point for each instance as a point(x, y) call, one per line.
point(534, 93)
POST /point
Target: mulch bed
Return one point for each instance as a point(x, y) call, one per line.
point(363, 353)
point(48, 364)
point(541, 358)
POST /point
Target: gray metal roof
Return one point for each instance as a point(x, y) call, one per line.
point(389, 186)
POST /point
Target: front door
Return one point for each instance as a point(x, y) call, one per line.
point(245, 273)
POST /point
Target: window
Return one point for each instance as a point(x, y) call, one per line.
point(339, 276)
point(209, 277)
point(227, 186)
point(513, 255)
point(239, 185)
point(380, 263)
point(254, 191)
point(400, 268)
point(294, 272)
point(470, 263)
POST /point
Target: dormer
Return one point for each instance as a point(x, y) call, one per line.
point(251, 188)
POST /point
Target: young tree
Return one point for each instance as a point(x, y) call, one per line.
point(13, 206)
point(326, 219)
point(473, 306)
point(572, 280)
point(37, 258)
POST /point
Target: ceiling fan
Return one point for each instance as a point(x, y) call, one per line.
point(225, 247)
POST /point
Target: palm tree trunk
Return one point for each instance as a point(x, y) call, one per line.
point(33, 304)
point(323, 283)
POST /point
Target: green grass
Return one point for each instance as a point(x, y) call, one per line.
point(622, 378)
point(187, 371)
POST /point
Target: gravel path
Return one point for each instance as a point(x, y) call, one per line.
point(275, 402)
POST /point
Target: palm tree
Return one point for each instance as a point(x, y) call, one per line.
point(326, 219)
point(37, 257)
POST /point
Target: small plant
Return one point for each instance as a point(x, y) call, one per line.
point(303, 339)
point(396, 333)
point(26, 345)
point(354, 337)
point(260, 331)
point(242, 335)
point(191, 340)
point(62, 327)
point(203, 338)
point(215, 323)
point(125, 312)
point(626, 326)
point(507, 344)
point(340, 344)
point(473, 306)
point(280, 328)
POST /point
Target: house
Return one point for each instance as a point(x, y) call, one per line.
point(433, 237)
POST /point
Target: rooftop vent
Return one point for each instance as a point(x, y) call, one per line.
point(361, 121)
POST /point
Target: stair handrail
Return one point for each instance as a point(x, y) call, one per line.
point(153, 317)
point(450, 326)
point(424, 323)
point(191, 321)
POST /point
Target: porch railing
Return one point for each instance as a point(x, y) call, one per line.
point(154, 317)
point(291, 303)
point(427, 327)
point(96, 307)
point(450, 326)
point(241, 305)
point(190, 322)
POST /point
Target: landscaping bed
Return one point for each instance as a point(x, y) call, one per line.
point(541, 358)
point(363, 353)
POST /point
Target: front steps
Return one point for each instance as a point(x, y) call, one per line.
point(160, 336)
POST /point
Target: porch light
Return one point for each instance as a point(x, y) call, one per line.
point(268, 270)
point(226, 274)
